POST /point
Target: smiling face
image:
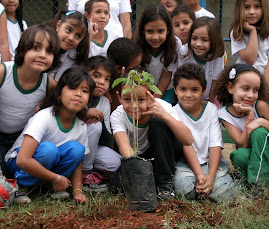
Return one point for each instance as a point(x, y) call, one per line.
point(253, 11)
point(140, 103)
point(170, 5)
point(200, 42)
point(69, 34)
point(246, 88)
point(40, 57)
point(182, 24)
point(189, 93)
point(99, 14)
point(75, 99)
point(102, 79)
point(10, 6)
point(155, 33)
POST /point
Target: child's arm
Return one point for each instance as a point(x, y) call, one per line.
point(266, 73)
point(76, 181)
point(126, 25)
point(250, 53)
point(164, 81)
point(26, 162)
point(212, 95)
point(180, 130)
point(52, 85)
point(123, 143)
point(214, 160)
point(4, 46)
point(93, 116)
point(2, 72)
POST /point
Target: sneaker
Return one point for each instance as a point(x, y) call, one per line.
point(94, 182)
point(165, 193)
point(60, 195)
point(21, 197)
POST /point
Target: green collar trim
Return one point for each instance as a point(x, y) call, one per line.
point(200, 115)
point(104, 42)
point(61, 126)
point(18, 86)
point(201, 62)
point(155, 54)
point(234, 115)
point(14, 22)
point(142, 126)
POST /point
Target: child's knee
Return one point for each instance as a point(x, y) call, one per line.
point(259, 133)
point(46, 153)
point(184, 186)
point(240, 157)
point(95, 128)
point(76, 150)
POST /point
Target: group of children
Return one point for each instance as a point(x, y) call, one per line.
point(62, 72)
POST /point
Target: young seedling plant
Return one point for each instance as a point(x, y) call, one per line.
point(134, 80)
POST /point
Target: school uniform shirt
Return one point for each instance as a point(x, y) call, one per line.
point(17, 105)
point(120, 121)
point(205, 129)
point(263, 51)
point(239, 122)
point(103, 105)
point(156, 65)
point(212, 68)
point(203, 13)
point(101, 49)
point(68, 60)
point(44, 126)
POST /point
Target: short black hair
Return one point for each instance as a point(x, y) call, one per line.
point(190, 71)
point(122, 51)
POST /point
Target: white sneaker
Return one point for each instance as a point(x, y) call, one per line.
point(21, 197)
point(60, 195)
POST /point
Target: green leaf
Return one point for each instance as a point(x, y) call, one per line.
point(118, 81)
point(154, 89)
point(127, 90)
point(148, 77)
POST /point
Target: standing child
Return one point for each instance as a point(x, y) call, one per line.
point(249, 34)
point(97, 12)
point(182, 19)
point(4, 46)
point(15, 24)
point(241, 89)
point(159, 128)
point(204, 172)
point(53, 143)
point(102, 159)
point(72, 30)
point(199, 11)
point(23, 84)
point(205, 46)
point(157, 41)
point(170, 5)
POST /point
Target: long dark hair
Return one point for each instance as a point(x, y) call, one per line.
point(71, 78)
point(151, 13)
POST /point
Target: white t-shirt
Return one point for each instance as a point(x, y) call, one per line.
point(203, 13)
point(101, 49)
point(68, 61)
point(116, 7)
point(206, 129)
point(212, 68)
point(120, 121)
point(239, 122)
point(17, 105)
point(45, 127)
point(263, 51)
point(103, 105)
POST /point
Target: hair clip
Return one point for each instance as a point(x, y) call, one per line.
point(70, 12)
point(232, 74)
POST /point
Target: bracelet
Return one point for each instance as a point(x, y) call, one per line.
point(77, 189)
point(57, 180)
point(249, 120)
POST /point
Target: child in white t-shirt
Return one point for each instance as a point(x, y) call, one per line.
point(198, 10)
point(203, 172)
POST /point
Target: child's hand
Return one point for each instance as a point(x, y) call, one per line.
point(207, 187)
point(62, 184)
point(200, 181)
point(79, 197)
point(242, 109)
point(248, 28)
point(154, 107)
point(93, 115)
point(253, 125)
point(93, 28)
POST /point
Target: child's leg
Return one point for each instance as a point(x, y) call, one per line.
point(46, 154)
point(258, 167)
point(94, 131)
point(224, 187)
point(107, 159)
point(163, 146)
point(185, 181)
point(71, 155)
point(240, 160)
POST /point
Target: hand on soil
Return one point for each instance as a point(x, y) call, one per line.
point(79, 197)
point(62, 185)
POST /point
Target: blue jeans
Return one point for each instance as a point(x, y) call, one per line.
point(62, 160)
point(223, 188)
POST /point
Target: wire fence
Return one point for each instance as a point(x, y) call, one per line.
point(37, 11)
